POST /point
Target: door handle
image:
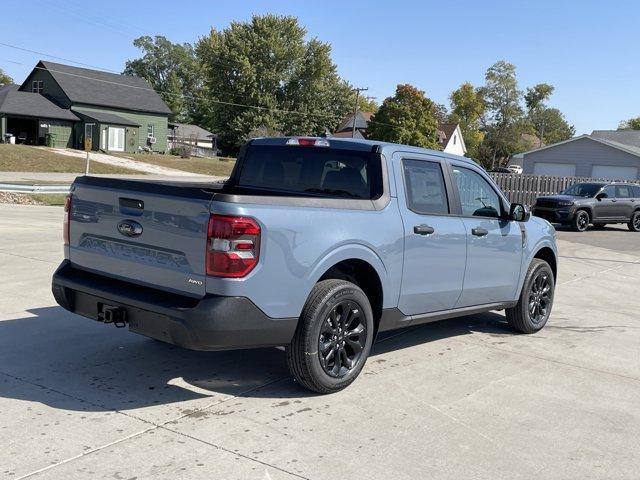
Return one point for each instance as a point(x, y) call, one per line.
point(479, 232)
point(423, 230)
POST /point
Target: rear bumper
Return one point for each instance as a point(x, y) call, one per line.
point(554, 215)
point(210, 323)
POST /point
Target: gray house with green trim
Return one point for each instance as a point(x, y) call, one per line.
point(77, 106)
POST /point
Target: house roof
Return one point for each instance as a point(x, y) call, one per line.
point(189, 131)
point(448, 129)
point(362, 120)
point(348, 134)
point(625, 137)
point(105, 117)
point(625, 148)
point(93, 87)
point(28, 104)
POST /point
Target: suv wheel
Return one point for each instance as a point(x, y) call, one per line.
point(581, 221)
point(536, 299)
point(634, 223)
point(333, 338)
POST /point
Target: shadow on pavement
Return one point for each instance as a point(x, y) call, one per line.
point(97, 367)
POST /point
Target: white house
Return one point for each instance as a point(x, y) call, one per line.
point(450, 138)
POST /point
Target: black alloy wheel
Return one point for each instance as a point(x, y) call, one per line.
point(540, 297)
point(343, 336)
point(634, 223)
point(581, 221)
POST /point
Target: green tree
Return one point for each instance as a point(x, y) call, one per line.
point(264, 74)
point(550, 126)
point(631, 124)
point(408, 117)
point(504, 114)
point(367, 104)
point(4, 78)
point(468, 108)
point(172, 70)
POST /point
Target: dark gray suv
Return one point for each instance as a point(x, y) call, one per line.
point(592, 203)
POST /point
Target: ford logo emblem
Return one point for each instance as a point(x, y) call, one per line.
point(129, 228)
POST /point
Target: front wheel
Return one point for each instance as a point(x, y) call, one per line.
point(536, 299)
point(333, 338)
point(580, 221)
point(634, 222)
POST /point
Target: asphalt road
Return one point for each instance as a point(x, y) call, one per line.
point(460, 399)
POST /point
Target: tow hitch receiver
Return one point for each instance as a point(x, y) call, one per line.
point(111, 314)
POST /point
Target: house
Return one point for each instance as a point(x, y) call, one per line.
point(361, 119)
point(450, 139)
point(605, 154)
point(449, 134)
point(181, 133)
point(110, 112)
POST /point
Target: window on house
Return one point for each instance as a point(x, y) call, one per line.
point(150, 131)
point(455, 139)
point(37, 86)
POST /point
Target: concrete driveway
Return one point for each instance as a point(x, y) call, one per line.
point(461, 399)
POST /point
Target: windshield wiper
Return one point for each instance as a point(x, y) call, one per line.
point(332, 191)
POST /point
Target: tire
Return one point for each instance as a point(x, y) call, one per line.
point(580, 221)
point(599, 226)
point(634, 222)
point(520, 317)
point(325, 318)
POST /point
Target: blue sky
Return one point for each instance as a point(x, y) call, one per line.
point(588, 50)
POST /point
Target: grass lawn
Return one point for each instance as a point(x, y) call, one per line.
point(24, 158)
point(54, 199)
point(220, 166)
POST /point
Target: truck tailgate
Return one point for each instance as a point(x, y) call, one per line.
point(150, 233)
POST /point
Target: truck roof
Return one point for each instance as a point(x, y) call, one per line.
point(362, 145)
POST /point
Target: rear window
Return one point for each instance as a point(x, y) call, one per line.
point(311, 171)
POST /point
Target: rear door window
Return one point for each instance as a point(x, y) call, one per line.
point(312, 171)
point(623, 191)
point(426, 191)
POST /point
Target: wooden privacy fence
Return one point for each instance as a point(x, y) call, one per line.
point(526, 188)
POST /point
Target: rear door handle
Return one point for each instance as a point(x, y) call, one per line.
point(479, 232)
point(423, 230)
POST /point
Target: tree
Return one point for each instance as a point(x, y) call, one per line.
point(550, 126)
point(4, 78)
point(631, 124)
point(408, 117)
point(171, 69)
point(467, 109)
point(504, 114)
point(367, 104)
point(264, 74)
point(535, 99)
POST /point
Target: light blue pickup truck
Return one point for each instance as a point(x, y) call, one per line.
point(315, 244)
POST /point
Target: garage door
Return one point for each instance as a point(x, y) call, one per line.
point(614, 173)
point(555, 169)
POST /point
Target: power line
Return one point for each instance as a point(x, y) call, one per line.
point(57, 58)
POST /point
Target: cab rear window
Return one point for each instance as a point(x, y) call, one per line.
point(311, 171)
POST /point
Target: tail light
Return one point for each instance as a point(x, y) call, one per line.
point(66, 223)
point(233, 246)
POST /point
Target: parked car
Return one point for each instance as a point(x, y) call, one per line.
point(594, 203)
point(500, 170)
point(515, 169)
point(313, 244)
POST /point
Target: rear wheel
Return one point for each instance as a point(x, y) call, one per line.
point(580, 221)
point(333, 338)
point(536, 299)
point(634, 222)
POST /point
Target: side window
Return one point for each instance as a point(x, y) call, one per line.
point(636, 191)
point(150, 130)
point(426, 191)
point(477, 196)
point(623, 191)
point(609, 191)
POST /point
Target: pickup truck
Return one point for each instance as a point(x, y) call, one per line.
point(314, 244)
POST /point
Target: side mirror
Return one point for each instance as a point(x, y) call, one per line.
point(600, 196)
point(519, 212)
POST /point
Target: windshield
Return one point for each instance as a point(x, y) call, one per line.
point(312, 171)
point(583, 189)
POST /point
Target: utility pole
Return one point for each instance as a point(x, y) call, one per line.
point(355, 109)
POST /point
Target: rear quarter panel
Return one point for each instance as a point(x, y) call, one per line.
point(299, 244)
